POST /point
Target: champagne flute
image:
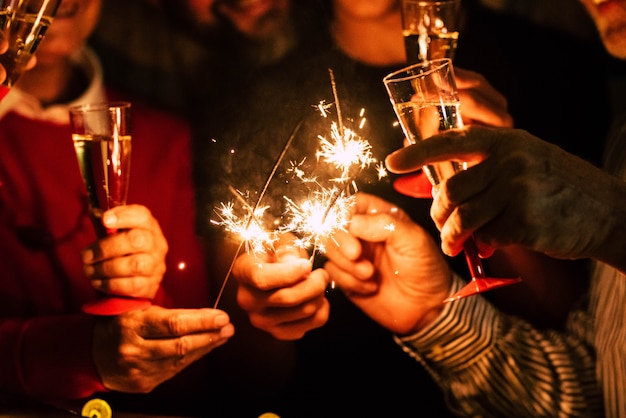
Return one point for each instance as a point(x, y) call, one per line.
point(426, 102)
point(431, 31)
point(102, 141)
point(24, 23)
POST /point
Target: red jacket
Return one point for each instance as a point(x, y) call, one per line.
point(45, 340)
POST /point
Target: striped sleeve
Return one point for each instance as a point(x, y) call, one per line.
point(493, 365)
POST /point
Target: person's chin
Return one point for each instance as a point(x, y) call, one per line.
point(615, 42)
point(51, 58)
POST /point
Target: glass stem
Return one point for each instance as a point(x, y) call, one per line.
point(473, 260)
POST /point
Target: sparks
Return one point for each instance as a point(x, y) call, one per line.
point(345, 151)
point(329, 191)
point(248, 227)
point(324, 213)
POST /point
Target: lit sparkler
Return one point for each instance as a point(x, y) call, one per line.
point(324, 211)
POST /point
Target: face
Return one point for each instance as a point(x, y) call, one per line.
point(366, 9)
point(610, 19)
point(256, 19)
point(72, 25)
point(202, 12)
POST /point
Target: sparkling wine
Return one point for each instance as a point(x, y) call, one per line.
point(104, 164)
point(420, 121)
point(24, 33)
point(429, 46)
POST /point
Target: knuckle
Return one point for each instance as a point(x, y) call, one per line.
point(175, 324)
point(182, 349)
point(137, 238)
point(285, 299)
point(258, 279)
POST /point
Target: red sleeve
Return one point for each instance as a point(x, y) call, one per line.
point(49, 357)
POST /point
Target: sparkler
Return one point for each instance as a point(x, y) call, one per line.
point(325, 210)
point(245, 228)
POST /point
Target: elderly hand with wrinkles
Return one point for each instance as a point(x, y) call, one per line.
point(138, 350)
point(521, 190)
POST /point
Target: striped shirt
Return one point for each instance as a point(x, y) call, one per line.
point(493, 365)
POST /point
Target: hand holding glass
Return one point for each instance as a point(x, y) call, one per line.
point(426, 101)
point(102, 141)
point(24, 24)
point(431, 31)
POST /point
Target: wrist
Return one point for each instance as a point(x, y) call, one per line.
point(612, 247)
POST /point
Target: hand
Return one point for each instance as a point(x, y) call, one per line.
point(4, 47)
point(481, 103)
point(136, 351)
point(389, 267)
point(131, 261)
point(280, 292)
point(524, 191)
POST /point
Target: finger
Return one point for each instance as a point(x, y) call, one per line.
point(266, 276)
point(478, 211)
point(479, 108)
point(343, 245)
point(373, 228)
point(125, 242)
point(131, 265)
point(32, 63)
point(466, 79)
point(137, 286)
point(459, 189)
point(346, 254)
point(287, 327)
point(168, 323)
point(350, 283)
point(182, 351)
point(4, 43)
point(129, 216)
point(272, 317)
point(453, 145)
point(368, 203)
point(252, 299)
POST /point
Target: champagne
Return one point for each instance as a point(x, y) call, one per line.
point(429, 46)
point(420, 121)
point(104, 164)
point(24, 33)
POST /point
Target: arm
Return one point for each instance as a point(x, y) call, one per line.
point(392, 270)
point(49, 357)
point(484, 359)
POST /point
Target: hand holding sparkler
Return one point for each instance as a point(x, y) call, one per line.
point(389, 266)
point(280, 292)
point(325, 208)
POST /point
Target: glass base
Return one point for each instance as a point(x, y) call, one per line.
point(414, 185)
point(480, 285)
point(109, 306)
point(3, 91)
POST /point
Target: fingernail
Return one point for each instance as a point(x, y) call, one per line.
point(109, 219)
point(227, 331)
point(221, 320)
